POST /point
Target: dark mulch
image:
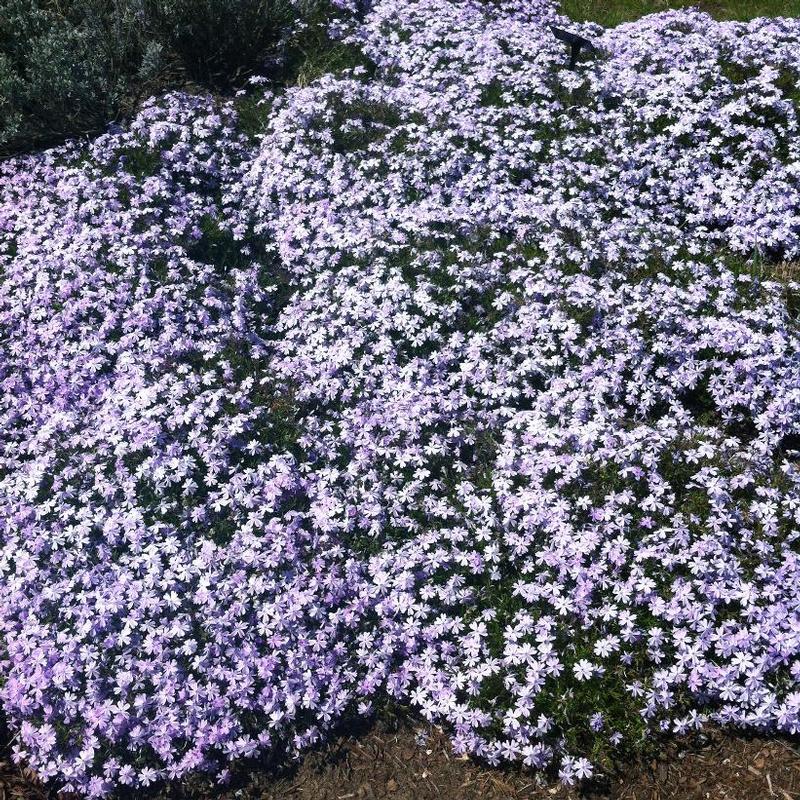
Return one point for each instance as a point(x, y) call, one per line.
point(407, 761)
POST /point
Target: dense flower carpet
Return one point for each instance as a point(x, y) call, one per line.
point(463, 384)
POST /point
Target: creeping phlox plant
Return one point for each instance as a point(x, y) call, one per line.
point(461, 384)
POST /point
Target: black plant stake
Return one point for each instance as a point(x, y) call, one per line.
point(575, 42)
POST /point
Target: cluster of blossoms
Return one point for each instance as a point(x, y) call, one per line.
point(460, 384)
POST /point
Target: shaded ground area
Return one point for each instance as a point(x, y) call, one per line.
point(410, 762)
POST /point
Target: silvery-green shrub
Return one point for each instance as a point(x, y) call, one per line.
point(68, 67)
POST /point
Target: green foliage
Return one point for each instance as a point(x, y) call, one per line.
point(786, 274)
point(217, 41)
point(64, 67)
point(68, 67)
